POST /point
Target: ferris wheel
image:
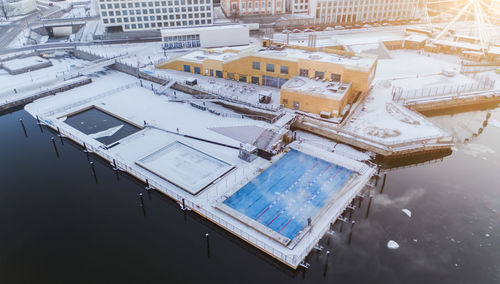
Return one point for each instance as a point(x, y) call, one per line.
point(475, 19)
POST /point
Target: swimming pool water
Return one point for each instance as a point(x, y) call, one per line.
point(289, 192)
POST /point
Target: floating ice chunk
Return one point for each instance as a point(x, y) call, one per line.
point(105, 133)
point(407, 212)
point(392, 245)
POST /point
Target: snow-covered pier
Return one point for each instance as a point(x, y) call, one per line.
point(454, 101)
point(201, 176)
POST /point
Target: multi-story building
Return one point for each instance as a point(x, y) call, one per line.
point(352, 11)
point(339, 73)
point(206, 37)
point(130, 15)
point(297, 6)
point(253, 7)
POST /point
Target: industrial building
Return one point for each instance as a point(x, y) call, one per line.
point(206, 37)
point(252, 7)
point(351, 11)
point(154, 15)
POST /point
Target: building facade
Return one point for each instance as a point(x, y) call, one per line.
point(274, 65)
point(207, 36)
point(358, 11)
point(298, 6)
point(131, 15)
point(325, 98)
point(235, 8)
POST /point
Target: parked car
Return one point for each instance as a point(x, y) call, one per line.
point(329, 29)
point(357, 26)
point(296, 31)
point(308, 30)
point(348, 27)
point(386, 24)
point(339, 28)
point(367, 26)
point(286, 31)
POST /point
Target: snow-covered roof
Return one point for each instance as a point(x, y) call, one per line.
point(24, 62)
point(464, 45)
point(290, 54)
point(417, 38)
point(296, 54)
point(317, 88)
point(494, 50)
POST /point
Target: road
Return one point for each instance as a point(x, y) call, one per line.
point(8, 33)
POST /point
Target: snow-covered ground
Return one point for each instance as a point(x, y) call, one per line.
point(164, 119)
point(385, 121)
point(61, 65)
point(142, 54)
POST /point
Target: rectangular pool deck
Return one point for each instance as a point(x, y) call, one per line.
point(285, 198)
point(281, 207)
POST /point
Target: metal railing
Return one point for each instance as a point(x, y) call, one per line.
point(400, 94)
point(95, 147)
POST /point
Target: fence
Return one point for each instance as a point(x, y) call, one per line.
point(87, 100)
point(290, 259)
point(400, 95)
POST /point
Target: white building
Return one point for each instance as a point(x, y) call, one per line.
point(130, 15)
point(350, 11)
point(16, 7)
point(253, 7)
point(207, 37)
point(297, 6)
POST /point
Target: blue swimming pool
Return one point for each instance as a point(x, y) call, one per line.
point(289, 192)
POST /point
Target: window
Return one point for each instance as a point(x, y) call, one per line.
point(283, 69)
point(304, 72)
point(230, 76)
point(243, 78)
point(335, 77)
point(270, 67)
point(187, 68)
point(255, 80)
point(284, 101)
point(249, 5)
point(218, 73)
point(197, 70)
point(256, 66)
point(319, 74)
point(296, 105)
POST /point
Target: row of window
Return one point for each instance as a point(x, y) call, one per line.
point(159, 24)
point(156, 10)
point(270, 67)
point(266, 80)
point(160, 3)
point(256, 5)
point(160, 18)
point(183, 44)
point(319, 74)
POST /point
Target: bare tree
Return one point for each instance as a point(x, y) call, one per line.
point(5, 9)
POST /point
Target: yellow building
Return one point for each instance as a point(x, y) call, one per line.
point(316, 96)
point(273, 64)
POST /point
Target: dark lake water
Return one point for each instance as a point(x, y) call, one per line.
point(58, 226)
